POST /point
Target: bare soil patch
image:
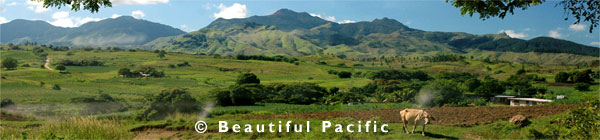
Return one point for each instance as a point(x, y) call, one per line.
point(458, 116)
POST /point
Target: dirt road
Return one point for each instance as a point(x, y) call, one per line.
point(47, 65)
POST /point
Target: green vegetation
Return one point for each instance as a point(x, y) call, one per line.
point(226, 88)
point(9, 63)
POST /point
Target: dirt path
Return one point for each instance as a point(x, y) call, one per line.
point(458, 116)
point(47, 65)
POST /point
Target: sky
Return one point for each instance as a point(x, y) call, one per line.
point(430, 15)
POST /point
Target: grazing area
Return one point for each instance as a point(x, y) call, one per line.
point(113, 93)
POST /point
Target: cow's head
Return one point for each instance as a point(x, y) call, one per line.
point(428, 117)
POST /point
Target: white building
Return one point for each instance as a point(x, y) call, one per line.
point(527, 101)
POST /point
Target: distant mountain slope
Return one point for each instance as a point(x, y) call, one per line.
point(267, 35)
point(124, 30)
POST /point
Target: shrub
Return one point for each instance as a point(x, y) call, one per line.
point(247, 78)
point(167, 102)
point(61, 68)
point(582, 86)
point(125, 72)
point(56, 87)
point(9, 63)
point(399, 75)
point(344, 74)
point(25, 65)
point(6, 102)
point(103, 103)
point(303, 93)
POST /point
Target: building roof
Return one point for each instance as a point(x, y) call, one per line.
point(504, 96)
point(530, 99)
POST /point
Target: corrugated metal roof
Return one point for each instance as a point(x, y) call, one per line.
point(530, 99)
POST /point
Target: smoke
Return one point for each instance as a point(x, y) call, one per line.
point(425, 97)
point(207, 108)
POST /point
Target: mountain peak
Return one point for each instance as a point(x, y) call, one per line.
point(284, 11)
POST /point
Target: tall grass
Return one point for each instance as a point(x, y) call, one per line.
point(72, 128)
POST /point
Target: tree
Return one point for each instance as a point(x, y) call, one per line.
point(489, 88)
point(91, 5)
point(587, 11)
point(472, 84)
point(61, 68)
point(125, 72)
point(9, 63)
point(247, 78)
point(561, 77)
point(161, 53)
point(344, 74)
point(582, 86)
point(582, 77)
point(441, 92)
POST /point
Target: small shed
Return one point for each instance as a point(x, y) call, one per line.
point(502, 99)
point(527, 101)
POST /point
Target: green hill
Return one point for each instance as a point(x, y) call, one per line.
point(286, 32)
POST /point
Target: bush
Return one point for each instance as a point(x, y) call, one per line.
point(582, 86)
point(167, 102)
point(6, 102)
point(9, 63)
point(82, 62)
point(561, 77)
point(103, 103)
point(344, 74)
point(479, 101)
point(125, 72)
point(61, 68)
point(56, 87)
point(247, 78)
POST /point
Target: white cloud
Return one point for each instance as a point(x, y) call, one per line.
point(554, 33)
point(346, 21)
point(12, 4)
point(115, 16)
point(234, 11)
point(330, 18)
point(1, 9)
point(577, 27)
point(37, 7)
point(185, 28)
point(138, 14)
point(513, 34)
point(62, 19)
point(137, 2)
point(316, 15)
point(3, 20)
point(527, 29)
point(595, 43)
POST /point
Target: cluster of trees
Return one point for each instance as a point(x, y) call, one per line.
point(152, 72)
point(446, 57)
point(582, 79)
point(399, 75)
point(248, 91)
point(182, 64)
point(82, 62)
point(278, 58)
point(575, 77)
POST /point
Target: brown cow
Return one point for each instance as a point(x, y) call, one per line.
point(416, 117)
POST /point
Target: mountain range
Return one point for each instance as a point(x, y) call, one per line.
point(284, 32)
point(121, 31)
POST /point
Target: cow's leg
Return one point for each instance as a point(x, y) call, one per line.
point(423, 132)
point(414, 127)
point(404, 126)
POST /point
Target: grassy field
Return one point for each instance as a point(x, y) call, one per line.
point(52, 114)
